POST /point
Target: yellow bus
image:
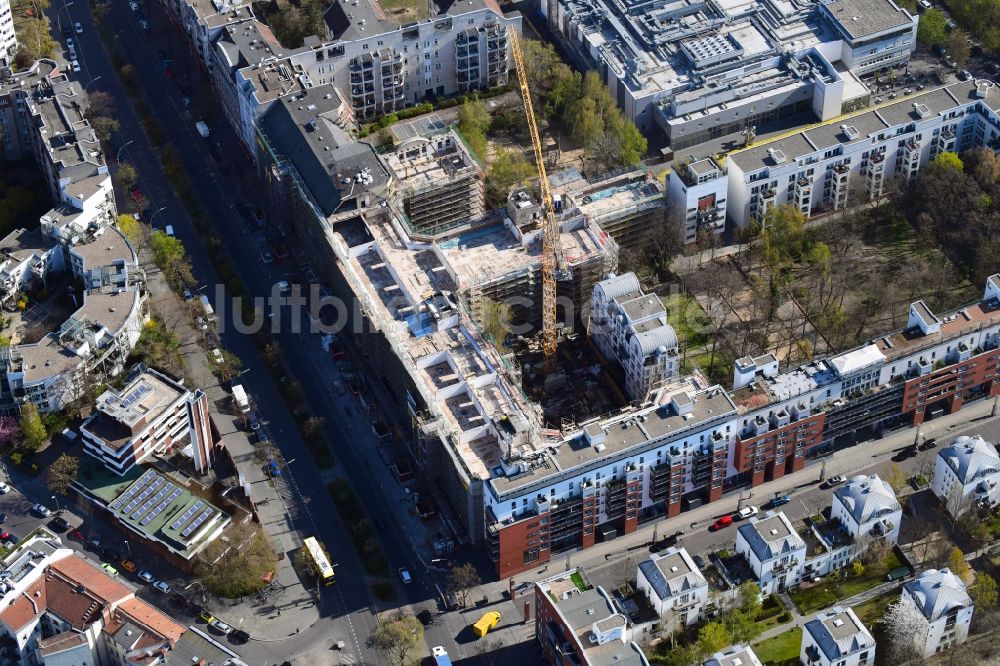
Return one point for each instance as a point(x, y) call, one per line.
point(320, 559)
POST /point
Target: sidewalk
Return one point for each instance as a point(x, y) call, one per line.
point(846, 462)
point(263, 621)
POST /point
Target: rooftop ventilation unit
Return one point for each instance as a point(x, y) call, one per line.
point(850, 131)
point(921, 109)
point(777, 155)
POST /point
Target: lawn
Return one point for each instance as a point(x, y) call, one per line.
point(782, 649)
point(834, 588)
point(577, 579)
point(872, 610)
point(687, 318)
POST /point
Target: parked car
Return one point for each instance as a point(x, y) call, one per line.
point(162, 586)
point(59, 524)
point(220, 626)
point(4, 488)
point(239, 636)
point(722, 522)
point(201, 323)
point(780, 500)
point(134, 6)
point(129, 566)
point(3, 517)
point(94, 544)
point(266, 257)
point(747, 512)
point(41, 510)
point(110, 554)
point(283, 286)
point(835, 480)
point(79, 28)
point(404, 575)
point(146, 577)
point(110, 570)
point(77, 535)
point(206, 616)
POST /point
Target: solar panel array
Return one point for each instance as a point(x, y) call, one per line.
point(196, 523)
point(135, 395)
point(130, 492)
point(174, 494)
point(187, 514)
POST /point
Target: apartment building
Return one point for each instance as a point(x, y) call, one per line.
point(8, 39)
point(630, 330)
point(736, 655)
point(941, 597)
point(381, 67)
point(697, 194)
point(582, 627)
point(714, 70)
point(152, 414)
point(43, 114)
point(674, 587)
point(773, 549)
point(438, 181)
point(867, 508)
point(967, 475)
point(836, 637)
point(820, 169)
point(61, 609)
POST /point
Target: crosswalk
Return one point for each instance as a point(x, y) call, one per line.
point(348, 658)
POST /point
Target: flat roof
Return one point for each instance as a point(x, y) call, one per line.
point(860, 18)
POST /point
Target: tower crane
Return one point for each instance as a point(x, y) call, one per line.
point(553, 262)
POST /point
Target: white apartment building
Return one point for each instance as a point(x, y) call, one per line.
point(967, 473)
point(151, 414)
point(697, 192)
point(867, 507)
point(674, 586)
point(736, 655)
point(8, 40)
point(836, 637)
point(818, 169)
point(631, 328)
point(942, 599)
point(773, 549)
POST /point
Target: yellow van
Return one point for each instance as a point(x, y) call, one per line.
point(489, 620)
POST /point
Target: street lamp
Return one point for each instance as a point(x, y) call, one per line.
point(57, 503)
point(128, 548)
point(119, 157)
point(59, 14)
point(153, 216)
point(91, 83)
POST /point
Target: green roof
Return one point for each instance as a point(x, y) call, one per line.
point(153, 504)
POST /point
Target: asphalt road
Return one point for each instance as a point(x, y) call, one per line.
point(345, 606)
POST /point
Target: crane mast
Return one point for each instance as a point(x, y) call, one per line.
point(551, 250)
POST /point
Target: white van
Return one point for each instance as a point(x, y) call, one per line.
point(170, 230)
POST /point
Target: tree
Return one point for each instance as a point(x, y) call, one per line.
point(958, 565)
point(473, 122)
point(238, 565)
point(169, 255)
point(896, 478)
point(783, 237)
point(229, 367)
point(750, 598)
point(948, 160)
point(10, 430)
point(958, 47)
point(711, 638)
point(101, 104)
point(858, 568)
point(35, 42)
point(984, 592)
point(933, 27)
point(104, 127)
point(506, 171)
point(905, 628)
point(130, 226)
point(33, 432)
point(126, 175)
point(462, 578)
point(876, 550)
point(398, 637)
point(62, 473)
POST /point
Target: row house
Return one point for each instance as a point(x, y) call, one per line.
point(943, 600)
point(967, 475)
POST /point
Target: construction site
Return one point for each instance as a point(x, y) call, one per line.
point(438, 181)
